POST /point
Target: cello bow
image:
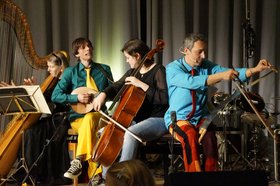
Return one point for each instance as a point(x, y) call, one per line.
point(207, 121)
point(82, 108)
point(130, 100)
point(122, 127)
point(243, 92)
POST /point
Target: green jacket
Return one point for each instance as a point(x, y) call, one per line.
point(74, 77)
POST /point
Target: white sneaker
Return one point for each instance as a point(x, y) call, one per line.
point(75, 169)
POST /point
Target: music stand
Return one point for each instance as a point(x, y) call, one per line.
point(22, 100)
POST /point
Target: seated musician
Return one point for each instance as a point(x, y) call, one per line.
point(187, 91)
point(148, 123)
point(55, 159)
point(89, 75)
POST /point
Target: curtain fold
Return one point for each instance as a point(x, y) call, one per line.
point(110, 23)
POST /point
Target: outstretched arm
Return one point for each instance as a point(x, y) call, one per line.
point(226, 75)
point(262, 65)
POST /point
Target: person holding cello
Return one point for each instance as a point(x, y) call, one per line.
point(148, 123)
point(92, 77)
point(188, 79)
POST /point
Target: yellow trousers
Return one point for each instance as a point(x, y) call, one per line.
point(87, 128)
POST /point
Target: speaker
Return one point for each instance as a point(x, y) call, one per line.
point(220, 178)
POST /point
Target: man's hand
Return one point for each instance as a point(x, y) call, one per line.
point(229, 74)
point(262, 65)
point(85, 98)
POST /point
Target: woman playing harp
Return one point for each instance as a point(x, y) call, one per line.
point(17, 55)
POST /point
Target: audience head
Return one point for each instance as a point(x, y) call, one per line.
point(129, 173)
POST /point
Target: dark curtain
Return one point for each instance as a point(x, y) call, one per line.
point(110, 23)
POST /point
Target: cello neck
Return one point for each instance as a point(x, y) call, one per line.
point(136, 72)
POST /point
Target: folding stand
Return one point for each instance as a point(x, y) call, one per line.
point(43, 150)
point(21, 100)
point(223, 147)
point(21, 164)
point(15, 100)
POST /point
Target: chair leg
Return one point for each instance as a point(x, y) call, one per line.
point(72, 147)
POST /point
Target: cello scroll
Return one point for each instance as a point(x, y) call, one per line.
point(159, 47)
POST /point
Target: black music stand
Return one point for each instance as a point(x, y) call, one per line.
point(223, 156)
point(22, 100)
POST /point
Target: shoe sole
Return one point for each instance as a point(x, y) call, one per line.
point(71, 176)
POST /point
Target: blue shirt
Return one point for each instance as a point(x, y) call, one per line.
point(180, 82)
point(74, 77)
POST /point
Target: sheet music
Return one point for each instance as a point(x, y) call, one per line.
point(38, 98)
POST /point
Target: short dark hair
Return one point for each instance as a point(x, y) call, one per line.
point(191, 38)
point(80, 42)
point(134, 46)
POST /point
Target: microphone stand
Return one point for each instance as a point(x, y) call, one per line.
point(248, 38)
point(174, 124)
point(48, 141)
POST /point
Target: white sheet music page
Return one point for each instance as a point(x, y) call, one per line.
point(37, 98)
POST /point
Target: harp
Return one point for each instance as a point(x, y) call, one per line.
point(12, 17)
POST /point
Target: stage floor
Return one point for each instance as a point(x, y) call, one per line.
point(236, 164)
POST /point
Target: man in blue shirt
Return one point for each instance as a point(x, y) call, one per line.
point(188, 79)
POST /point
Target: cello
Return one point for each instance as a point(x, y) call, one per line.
point(110, 143)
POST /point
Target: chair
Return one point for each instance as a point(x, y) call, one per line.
point(163, 146)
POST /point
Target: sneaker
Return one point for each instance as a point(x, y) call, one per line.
point(74, 170)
